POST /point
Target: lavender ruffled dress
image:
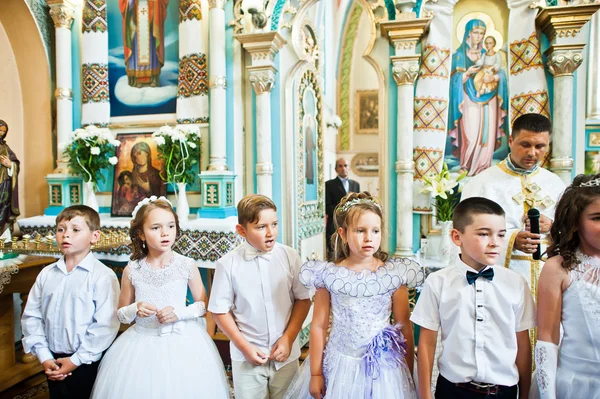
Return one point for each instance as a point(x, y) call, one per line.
point(365, 355)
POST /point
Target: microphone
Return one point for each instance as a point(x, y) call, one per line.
point(534, 227)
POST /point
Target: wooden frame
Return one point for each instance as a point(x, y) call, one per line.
point(367, 115)
point(129, 186)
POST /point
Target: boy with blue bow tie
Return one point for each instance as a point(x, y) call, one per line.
point(484, 314)
point(257, 300)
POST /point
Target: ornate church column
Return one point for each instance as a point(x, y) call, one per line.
point(562, 25)
point(94, 64)
point(62, 13)
point(217, 182)
point(217, 85)
point(262, 48)
point(404, 36)
point(192, 91)
point(593, 83)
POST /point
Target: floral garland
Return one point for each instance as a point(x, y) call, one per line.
point(90, 150)
point(148, 200)
point(179, 148)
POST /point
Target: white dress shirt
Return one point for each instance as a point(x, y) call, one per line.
point(260, 294)
point(478, 322)
point(345, 183)
point(72, 312)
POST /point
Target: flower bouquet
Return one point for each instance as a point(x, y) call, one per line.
point(90, 150)
point(179, 148)
point(445, 192)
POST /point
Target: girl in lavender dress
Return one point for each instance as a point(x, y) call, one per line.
point(569, 295)
point(365, 356)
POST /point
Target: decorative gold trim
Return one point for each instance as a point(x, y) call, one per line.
point(405, 69)
point(62, 13)
point(509, 248)
point(565, 21)
point(62, 93)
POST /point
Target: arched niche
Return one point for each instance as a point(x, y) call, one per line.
point(25, 102)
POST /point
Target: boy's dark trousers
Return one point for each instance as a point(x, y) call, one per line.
point(445, 389)
point(76, 386)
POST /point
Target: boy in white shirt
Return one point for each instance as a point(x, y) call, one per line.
point(258, 301)
point(71, 314)
point(484, 314)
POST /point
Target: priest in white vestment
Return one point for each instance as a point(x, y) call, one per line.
point(518, 184)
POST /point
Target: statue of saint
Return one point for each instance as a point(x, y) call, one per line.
point(144, 40)
point(9, 194)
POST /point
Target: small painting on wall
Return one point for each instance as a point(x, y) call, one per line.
point(137, 174)
point(367, 116)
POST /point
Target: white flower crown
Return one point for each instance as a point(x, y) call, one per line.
point(147, 201)
point(357, 201)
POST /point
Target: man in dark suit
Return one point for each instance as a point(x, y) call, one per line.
point(335, 190)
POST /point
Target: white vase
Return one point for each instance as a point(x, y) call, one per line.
point(89, 195)
point(445, 252)
point(182, 208)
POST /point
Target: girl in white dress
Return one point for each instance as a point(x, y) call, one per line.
point(569, 294)
point(167, 353)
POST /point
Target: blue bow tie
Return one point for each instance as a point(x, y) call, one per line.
point(487, 273)
point(252, 253)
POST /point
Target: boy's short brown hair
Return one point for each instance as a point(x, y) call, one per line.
point(470, 207)
point(91, 216)
point(251, 205)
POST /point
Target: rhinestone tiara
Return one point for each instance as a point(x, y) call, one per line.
point(357, 201)
point(591, 183)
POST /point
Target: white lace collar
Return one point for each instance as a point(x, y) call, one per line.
point(590, 261)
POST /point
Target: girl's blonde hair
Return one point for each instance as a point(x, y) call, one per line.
point(138, 248)
point(347, 212)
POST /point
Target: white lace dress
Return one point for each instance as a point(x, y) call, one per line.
point(364, 357)
point(578, 374)
point(151, 360)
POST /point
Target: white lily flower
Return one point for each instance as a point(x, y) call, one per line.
point(95, 151)
point(160, 140)
point(192, 145)
point(113, 160)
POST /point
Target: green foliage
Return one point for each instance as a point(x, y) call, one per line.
point(179, 148)
point(91, 150)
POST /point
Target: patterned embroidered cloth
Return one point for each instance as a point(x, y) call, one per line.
point(8, 267)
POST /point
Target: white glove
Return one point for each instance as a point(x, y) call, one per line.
point(128, 313)
point(196, 309)
point(546, 363)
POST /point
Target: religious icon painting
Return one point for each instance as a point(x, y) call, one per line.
point(478, 122)
point(137, 174)
point(143, 40)
point(367, 117)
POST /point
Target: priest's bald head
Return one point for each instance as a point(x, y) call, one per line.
point(529, 140)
